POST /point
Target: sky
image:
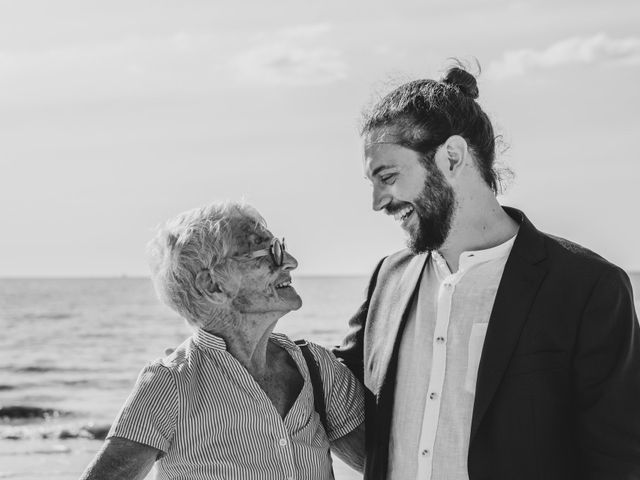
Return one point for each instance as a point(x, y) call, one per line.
point(115, 116)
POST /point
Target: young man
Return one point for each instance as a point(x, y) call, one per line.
point(489, 350)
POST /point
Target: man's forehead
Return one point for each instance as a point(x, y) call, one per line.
point(381, 154)
point(382, 136)
point(382, 145)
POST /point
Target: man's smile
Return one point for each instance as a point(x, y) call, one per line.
point(402, 214)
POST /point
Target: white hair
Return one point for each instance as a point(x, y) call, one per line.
point(196, 240)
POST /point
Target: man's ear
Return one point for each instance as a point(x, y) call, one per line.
point(456, 150)
point(209, 288)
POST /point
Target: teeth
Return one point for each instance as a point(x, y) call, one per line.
point(283, 284)
point(404, 213)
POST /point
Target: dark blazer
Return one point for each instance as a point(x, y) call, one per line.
point(558, 389)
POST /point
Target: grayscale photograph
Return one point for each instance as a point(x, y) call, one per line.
point(337, 240)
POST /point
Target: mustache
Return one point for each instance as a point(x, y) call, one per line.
point(395, 208)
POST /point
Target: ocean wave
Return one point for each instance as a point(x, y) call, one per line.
point(72, 383)
point(54, 432)
point(35, 369)
point(21, 412)
point(41, 390)
point(46, 369)
point(47, 316)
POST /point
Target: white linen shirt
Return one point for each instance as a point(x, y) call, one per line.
point(438, 362)
point(209, 417)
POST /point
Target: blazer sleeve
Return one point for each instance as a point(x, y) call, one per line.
point(351, 351)
point(606, 380)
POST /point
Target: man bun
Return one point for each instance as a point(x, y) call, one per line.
point(463, 80)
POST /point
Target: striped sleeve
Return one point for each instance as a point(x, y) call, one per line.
point(343, 393)
point(149, 414)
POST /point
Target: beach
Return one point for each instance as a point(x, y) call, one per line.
point(72, 349)
point(66, 459)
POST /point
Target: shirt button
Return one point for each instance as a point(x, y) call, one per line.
point(425, 453)
point(440, 340)
point(283, 442)
point(433, 396)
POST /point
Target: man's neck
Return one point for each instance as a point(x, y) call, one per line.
point(477, 225)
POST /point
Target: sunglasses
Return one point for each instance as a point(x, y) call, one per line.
point(277, 250)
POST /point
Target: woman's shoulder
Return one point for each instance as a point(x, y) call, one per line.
point(179, 359)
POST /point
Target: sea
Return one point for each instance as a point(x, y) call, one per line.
point(71, 350)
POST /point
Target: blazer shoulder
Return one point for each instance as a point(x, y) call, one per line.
point(577, 258)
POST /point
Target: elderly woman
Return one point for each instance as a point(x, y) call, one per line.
point(235, 400)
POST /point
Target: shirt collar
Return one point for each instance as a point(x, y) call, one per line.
point(206, 340)
point(475, 257)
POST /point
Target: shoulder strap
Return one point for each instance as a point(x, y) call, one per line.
point(316, 381)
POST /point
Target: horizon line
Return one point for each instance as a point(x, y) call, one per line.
point(148, 277)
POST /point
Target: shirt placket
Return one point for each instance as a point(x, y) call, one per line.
point(437, 376)
point(281, 439)
point(286, 454)
point(292, 421)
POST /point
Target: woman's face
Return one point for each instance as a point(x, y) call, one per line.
point(264, 286)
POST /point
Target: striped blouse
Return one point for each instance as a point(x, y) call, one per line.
point(212, 420)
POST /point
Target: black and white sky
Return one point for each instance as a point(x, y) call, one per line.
point(115, 116)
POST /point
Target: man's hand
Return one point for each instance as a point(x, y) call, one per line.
point(121, 459)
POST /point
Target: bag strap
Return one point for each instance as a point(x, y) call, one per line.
point(316, 381)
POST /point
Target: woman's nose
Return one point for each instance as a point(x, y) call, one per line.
point(289, 262)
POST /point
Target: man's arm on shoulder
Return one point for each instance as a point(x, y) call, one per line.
point(607, 382)
point(350, 448)
point(121, 459)
point(351, 351)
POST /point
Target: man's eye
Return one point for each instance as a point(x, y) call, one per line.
point(388, 179)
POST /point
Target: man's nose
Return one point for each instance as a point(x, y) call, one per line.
point(289, 262)
point(381, 198)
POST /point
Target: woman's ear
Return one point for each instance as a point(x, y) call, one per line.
point(209, 288)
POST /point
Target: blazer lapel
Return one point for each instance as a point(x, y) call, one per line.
point(520, 282)
point(397, 308)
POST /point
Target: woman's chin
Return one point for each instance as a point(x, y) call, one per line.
point(297, 304)
point(294, 302)
point(289, 296)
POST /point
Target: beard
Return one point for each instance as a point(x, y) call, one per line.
point(435, 208)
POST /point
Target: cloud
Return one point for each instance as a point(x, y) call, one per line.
point(123, 67)
point(291, 57)
point(597, 49)
point(166, 66)
point(309, 32)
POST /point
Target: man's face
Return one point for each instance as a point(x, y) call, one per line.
point(418, 196)
point(263, 286)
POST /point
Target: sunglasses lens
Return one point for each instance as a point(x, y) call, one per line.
point(278, 252)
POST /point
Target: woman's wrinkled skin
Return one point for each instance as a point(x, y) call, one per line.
point(259, 277)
